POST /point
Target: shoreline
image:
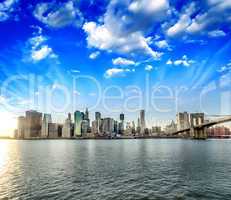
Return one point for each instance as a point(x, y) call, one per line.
point(106, 138)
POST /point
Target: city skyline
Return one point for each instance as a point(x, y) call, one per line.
point(36, 125)
point(182, 51)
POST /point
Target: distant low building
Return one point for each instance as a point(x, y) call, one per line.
point(171, 128)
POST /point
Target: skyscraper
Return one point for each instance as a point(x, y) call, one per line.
point(21, 127)
point(33, 124)
point(78, 117)
point(97, 123)
point(142, 121)
point(121, 124)
point(108, 126)
point(67, 127)
point(45, 122)
point(182, 120)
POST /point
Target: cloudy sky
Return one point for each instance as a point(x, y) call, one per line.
point(178, 45)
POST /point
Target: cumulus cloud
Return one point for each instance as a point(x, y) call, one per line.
point(94, 55)
point(216, 33)
point(184, 61)
point(42, 53)
point(183, 22)
point(226, 68)
point(125, 25)
point(162, 44)
point(117, 72)
point(122, 61)
point(58, 15)
point(6, 9)
point(192, 20)
point(38, 49)
point(148, 68)
point(100, 37)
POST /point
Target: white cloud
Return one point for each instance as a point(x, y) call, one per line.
point(117, 72)
point(169, 62)
point(37, 41)
point(74, 71)
point(184, 61)
point(217, 33)
point(58, 15)
point(125, 31)
point(225, 68)
point(42, 53)
point(6, 8)
point(148, 68)
point(162, 44)
point(180, 26)
point(183, 22)
point(94, 55)
point(100, 37)
point(122, 61)
point(214, 17)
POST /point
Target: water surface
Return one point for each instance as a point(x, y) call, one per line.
point(115, 169)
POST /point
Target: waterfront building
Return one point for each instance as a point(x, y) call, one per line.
point(33, 124)
point(142, 121)
point(182, 120)
point(67, 128)
point(218, 131)
point(108, 126)
point(97, 116)
point(121, 124)
point(171, 127)
point(53, 130)
point(21, 127)
point(84, 127)
point(156, 129)
point(45, 122)
point(78, 117)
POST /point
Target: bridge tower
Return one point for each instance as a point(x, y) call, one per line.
point(195, 120)
point(198, 133)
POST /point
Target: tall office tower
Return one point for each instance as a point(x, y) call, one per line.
point(133, 128)
point(138, 127)
point(86, 116)
point(69, 116)
point(121, 117)
point(116, 128)
point(21, 127)
point(142, 121)
point(84, 127)
point(97, 123)
point(97, 116)
point(45, 122)
point(53, 130)
point(78, 117)
point(121, 124)
point(67, 127)
point(182, 120)
point(108, 126)
point(33, 124)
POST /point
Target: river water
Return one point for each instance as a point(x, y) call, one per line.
point(115, 169)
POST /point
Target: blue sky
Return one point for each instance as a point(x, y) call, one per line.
point(174, 44)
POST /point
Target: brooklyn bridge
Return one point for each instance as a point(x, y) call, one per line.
point(197, 130)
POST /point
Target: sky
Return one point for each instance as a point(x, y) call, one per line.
point(115, 56)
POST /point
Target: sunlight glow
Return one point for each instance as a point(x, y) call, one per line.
point(8, 124)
